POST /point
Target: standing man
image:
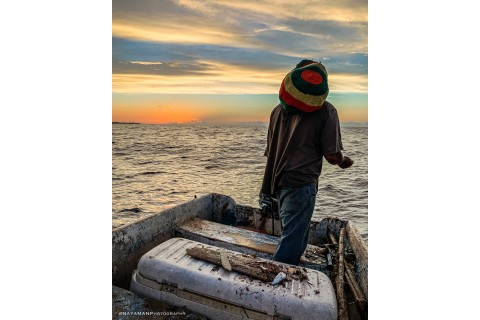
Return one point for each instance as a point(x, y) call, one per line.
point(303, 129)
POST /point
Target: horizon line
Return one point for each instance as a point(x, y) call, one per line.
point(347, 123)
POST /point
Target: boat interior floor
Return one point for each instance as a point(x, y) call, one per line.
point(245, 240)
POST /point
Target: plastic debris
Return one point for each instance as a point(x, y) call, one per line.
point(279, 278)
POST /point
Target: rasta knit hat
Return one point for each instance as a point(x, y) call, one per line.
point(305, 88)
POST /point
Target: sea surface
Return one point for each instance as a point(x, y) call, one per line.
point(155, 167)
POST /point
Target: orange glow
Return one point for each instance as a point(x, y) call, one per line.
point(154, 114)
point(201, 111)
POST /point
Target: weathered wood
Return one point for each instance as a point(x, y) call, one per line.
point(357, 293)
point(262, 270)
point(342, 306)
point(229, 237)
point(332, 238)
point(134, 239)
point(360, 249)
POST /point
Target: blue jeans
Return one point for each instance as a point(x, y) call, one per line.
point(296, 206)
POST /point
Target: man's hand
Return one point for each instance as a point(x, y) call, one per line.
point(346, 163)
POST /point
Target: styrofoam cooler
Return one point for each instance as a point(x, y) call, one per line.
point(166, 273)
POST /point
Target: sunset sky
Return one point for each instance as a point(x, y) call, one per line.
point(223, 61)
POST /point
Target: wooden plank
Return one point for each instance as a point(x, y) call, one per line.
point(360, 249)
point(342, 307)
point(243, 264)
point(332, 238)
point(224, 233)
point(249, 239)
point(357, 293)
point(248, 265)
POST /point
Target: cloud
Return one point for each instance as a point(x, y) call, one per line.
point(213, 84)
point(190, 59)
point(348, 83)
point(349, 10)
point(294, 28)
point(170, 68)
point(222, 79)
point(134, 50)
point(147, 63)
point(235, 46)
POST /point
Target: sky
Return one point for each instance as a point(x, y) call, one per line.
point(177, 61)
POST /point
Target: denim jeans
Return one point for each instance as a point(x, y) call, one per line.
point(296, 206)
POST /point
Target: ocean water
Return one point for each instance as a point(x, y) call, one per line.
point(155, 167)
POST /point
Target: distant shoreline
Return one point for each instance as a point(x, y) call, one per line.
point(347, 124)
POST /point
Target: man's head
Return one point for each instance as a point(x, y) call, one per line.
point(305, 88)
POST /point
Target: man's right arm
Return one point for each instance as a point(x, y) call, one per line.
point(339, 159)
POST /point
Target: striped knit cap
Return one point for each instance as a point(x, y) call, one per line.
point(305, 88)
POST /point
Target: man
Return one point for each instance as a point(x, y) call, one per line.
point(303, 129)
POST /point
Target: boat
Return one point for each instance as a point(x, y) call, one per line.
point(216, 222)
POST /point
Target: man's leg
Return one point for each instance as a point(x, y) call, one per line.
point(296, 206)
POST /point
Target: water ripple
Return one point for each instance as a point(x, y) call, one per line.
point(155, 167)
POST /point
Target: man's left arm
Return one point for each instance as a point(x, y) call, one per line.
point(339, 159)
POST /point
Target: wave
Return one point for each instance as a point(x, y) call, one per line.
point(135, 210)
point(158, 166)
point(148, 162)
point(152, 172)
